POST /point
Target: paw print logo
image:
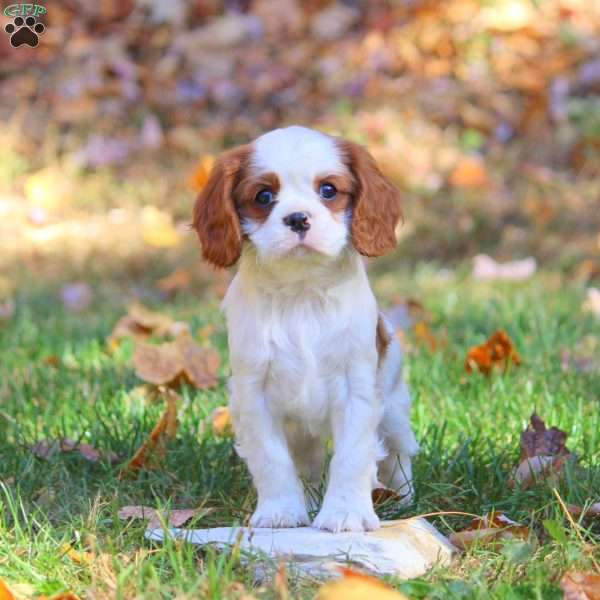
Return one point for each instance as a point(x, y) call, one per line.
point(24, 31)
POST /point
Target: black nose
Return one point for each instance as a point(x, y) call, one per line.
point(297, 222)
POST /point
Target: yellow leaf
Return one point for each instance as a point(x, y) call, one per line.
point(357, 586)
point(48, 188)
point(158, 229)
point(81, 558)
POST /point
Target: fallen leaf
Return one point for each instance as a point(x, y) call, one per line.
point(202, 172)
point(538, 440)
point(592, 301)
point(489, 529)
point(281, 582)
point(76, 297)
point(158, 229)
point(543, 453)
point(141, 323)
point(591, 511)
point(165, 429)
point(81, 558)
point(580, 586)
point(48, 188)
point(5, 593)
point(469, 172)
point(381, 495)
point(177, 281)
point(425, 336)
point(485, 268)
point(172, 518)
point(174, 363)
point(358, 586)
point(497, 351)
point(221, 421)
point(46, 449)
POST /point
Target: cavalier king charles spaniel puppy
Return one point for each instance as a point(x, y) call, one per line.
point(312, 358)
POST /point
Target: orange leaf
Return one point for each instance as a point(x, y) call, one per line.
point(358, 586)
point(497, 351)
point(469, 172)
point(202, 172)
point(581, 586)
point(221, 420)
point(166, 428)
point(5, 593)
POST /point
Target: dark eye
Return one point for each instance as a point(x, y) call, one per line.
point(264, 197)
point(328, 191)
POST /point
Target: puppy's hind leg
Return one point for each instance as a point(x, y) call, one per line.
point(395, 470)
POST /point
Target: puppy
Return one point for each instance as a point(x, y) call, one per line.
point(311, 356)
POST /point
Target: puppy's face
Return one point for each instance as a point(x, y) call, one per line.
point(295, 192)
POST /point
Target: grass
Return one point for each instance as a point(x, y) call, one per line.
point(468, 426)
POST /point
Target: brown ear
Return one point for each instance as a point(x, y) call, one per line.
point(215, 217)
point(376, 204)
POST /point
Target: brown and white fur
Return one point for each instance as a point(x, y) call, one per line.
point(311, 356)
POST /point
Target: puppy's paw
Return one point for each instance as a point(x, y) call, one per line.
point(337, 516)
point(280, 513)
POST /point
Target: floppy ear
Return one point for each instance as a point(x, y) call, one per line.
point(215, 217)
point(376, 204)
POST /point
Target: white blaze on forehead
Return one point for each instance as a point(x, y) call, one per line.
point(297, 152)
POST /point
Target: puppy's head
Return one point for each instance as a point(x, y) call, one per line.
point(296, 191)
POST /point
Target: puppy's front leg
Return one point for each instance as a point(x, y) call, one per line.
point(347, 505)
point(261, 442)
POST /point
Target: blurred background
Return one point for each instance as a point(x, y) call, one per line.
point(486, 113)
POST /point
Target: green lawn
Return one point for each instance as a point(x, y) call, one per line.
point(468, 426)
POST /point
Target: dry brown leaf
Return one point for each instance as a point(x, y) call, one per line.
point(543, 453)
point(172, 518)
point(381, 495)
point(5, 593)
point(469, 172)
point(592, 511)
point(489, 529)
point(358, 586)
point(538, 440)
point(581, 586)
point(141, 322)
point(177, 281)
point(46, 449)
point(221, 421)
point(174, 363)
point(165, 429)
point(497, 351)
